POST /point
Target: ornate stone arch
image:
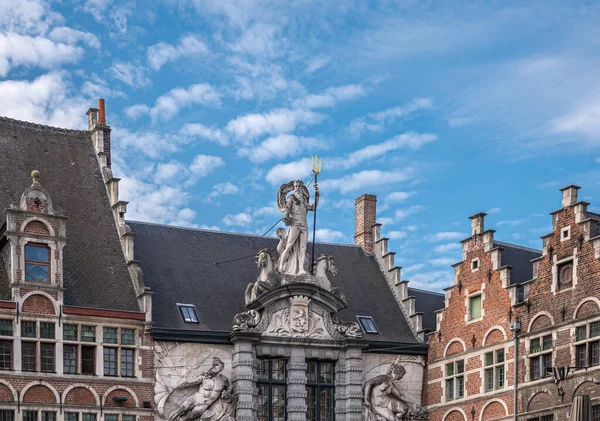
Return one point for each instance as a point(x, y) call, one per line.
point(82, 385)
point(9, 387)
point(537, 316)
point(38, 219)
point(488, 403)
point(490, 330)
point(584, 301)
point(452, 341)
point(125, 388)
point(44, 294)
point(455, 409)
point(41, 383)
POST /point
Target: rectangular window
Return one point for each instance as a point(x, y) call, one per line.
point(110, 361)
point(28, 329)
point(37, 263)
point(87, 359)
point(6, 327)
point(580, 333)
point(271, 390)
point(594, 353)
point(88, 333)
point(188, 313)
point(30, 415)
point(127, 337)
point(111, 417)
point(70, 332)
point(540, 356)
point(127, 369)
point(28, 356)
point(47, 357)
point(71, 416)
point(90, 417)
point(5, 355)
point(596, 413)
point(70, 359)
point(47, 330)
point(367, 324)
point(48, 416)
point(548, 418)
point(594, 329)
point(111, 335)
point(7, 415)
point(128, 418)
point(455, 381)
point(587, 350)
point(475, 307)
point(320, 390)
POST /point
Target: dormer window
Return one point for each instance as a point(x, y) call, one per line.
point(37, 262)
point(367, 324)
point(188, 313)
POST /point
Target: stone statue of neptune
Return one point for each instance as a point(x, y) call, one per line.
point(295, 207)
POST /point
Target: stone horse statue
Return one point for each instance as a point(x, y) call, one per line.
point(268, 277)
point(322, 265)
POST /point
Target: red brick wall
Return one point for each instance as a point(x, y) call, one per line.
point(39, 394)
point(493, 411)
point(129, 403)
point(5, 393)
point(38, 304)
point(37, 227)
point(80, 396)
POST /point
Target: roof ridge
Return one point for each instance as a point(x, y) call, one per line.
point(518, 246)
point(427, 291)
point(227, 232)
point(24, 123)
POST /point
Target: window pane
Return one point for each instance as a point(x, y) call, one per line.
point(6, 327)
point(36, 272)
point(263, 369)
point(596, 413)
point(88, 333)
point(47, 330)
point(327, 404)
point(536, 364)
point(28, 329)
point(30, 415)
point(110, 361)
point(7, 415)
point(548, 418)
point(547, 343)
point(500, 377)
point(92, 417)
point(460, 366)
point(475, 307)
point(489, 358)
point(580, 356)
point(47, 357)
point(326, 373)
point(594, 353)
point(70, 333)
point(594, 329)
point(111, 417)
point(87, 359)
point(489, 380)
point(580, 333)
point(450, 369)
point(278, 400)
point(460, 387)
point(110, 335)
point(263, 402)
point(5, 355)
point(128, 418)
point(311, 371)
point(127, 337)
point(189, 314)
point(36, 253)
point(127, 368)
point(70, 359)
point(71, 416)
point(534, 346)
point(311, 403)
point(28, 356)
point(499, 356)
point(278, 369)
point(450, 389)
point(48, 416)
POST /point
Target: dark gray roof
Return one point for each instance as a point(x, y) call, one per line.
point(427, 302)
point(519, 258)
point(179, 266)
point(95, 271)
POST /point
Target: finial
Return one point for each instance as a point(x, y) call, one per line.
point(316, 164)
point(35, 175)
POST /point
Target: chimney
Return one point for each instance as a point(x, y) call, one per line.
point(365, 212)
point(569, 195)
point(100, 132)
point(477, 223)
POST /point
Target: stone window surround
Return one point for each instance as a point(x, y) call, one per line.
point(493, 348)
point(17, 335)
point(119, 346)
point(555, 264)
point(564, 237)
point(474, 261)
point(453, 361)
point(587, 340)
point(52, 274)
point(528, 375)
point(468, 296)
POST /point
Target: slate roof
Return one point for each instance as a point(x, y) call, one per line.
point(427, 302)
point(95, 271)
point(179, 266)
point(519, 258)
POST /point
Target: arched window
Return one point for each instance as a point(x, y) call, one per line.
point(37, 262)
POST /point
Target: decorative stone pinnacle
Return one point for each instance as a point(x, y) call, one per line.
point(35, 175)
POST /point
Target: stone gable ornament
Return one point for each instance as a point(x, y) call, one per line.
point(297, 321)
point(348, 329)
point(268, 276)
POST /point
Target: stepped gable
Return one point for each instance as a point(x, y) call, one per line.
point(427, 302)
point(519, 259)
point(95, 271)
point(179, 266)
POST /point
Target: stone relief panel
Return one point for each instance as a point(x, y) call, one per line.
point(193, 382)
point(297, 321)
point(392, 387)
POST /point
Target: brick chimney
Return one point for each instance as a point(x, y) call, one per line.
point(569, 195)
point(100, 132)
point(477, 223)
point(365, 212)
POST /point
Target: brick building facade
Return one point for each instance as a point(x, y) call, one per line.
point(553, 293)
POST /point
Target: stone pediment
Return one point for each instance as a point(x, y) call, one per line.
point(300, 287)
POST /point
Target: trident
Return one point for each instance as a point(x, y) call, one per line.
point(316, 169)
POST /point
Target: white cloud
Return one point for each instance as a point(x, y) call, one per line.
point(446, 236)
point(413, 268)
point(385, 220)
point(267, 211)
point(330, 236)
point(67, 35)
point(162, 53)
point(366, 178)
point(239, 219)
point(167, 173)
point(223, 189)
point(281, 173)
point(282, 120)
point(584, 120)
point(130, 74)
point(258, 40)
point(27, 16)
point(399, 196)
point(205, 132)
point(202, 165)
point(404, 213)
point(136, 111)
point(317, 63)
point(279, 147)
point(493, 211)
point(375, 122)
point(19, 50)
point(512, 222)
point(433, 280)
point(151, 143)
point(330, 96)
point(411, 227)
point(442, 261)
point(397, 235)
point(444, 248)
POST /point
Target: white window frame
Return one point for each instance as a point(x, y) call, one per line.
point(454, 378)
point(495, 368)
point(540, 354)
point(587, 341)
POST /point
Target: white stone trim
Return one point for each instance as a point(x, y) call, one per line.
point(37, 218)
point(11, 388)
point(490, 402)
point(566, 229)
point(582, 302)
point(85, 386)
point(490, 330)
point(38, 292)
point(476, 259)
point(459, 340)
point(112, 389)
point(456, 408)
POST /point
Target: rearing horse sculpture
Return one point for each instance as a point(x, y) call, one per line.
point(325, 264)
point(268, 277)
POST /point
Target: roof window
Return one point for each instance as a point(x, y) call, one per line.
point(367, 324)
point(188, 313)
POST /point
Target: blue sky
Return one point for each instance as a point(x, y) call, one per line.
point(442, 109)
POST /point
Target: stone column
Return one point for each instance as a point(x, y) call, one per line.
point(296, 385)
point(349, 383)
point(243, 375)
